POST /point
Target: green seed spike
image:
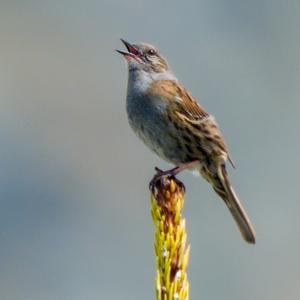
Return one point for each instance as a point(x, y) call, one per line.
point(172, 255)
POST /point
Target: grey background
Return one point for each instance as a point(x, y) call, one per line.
point(74, 206)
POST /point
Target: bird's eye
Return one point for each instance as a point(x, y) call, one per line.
point(151, 52)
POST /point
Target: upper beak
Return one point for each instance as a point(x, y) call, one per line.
point(132, 50)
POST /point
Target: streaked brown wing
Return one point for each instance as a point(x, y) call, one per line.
point(178, 96)
point(185, 108)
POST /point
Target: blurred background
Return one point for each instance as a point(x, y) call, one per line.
point(74, 205)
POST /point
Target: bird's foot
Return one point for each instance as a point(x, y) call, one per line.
point(171, 172)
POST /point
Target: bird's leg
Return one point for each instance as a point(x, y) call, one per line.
point(177, 169)
point(173, 171)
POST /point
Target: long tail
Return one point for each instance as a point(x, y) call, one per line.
point(222, 186)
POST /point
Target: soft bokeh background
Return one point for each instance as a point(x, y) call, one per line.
point(74, 205)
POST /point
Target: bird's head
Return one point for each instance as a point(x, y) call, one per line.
point(144, 57)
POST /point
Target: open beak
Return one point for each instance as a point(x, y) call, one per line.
point(132, 51)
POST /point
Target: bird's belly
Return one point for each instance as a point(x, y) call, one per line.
point(153, 128)
point(161, 139)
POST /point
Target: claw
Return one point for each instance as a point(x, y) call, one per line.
point(158, 170)
point(172, 172)
point(157, 176)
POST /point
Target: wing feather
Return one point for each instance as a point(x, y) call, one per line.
point(186, 109)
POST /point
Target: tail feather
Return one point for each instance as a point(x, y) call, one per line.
point(224, 189)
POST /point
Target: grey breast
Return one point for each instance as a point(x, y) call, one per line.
point(147, 117)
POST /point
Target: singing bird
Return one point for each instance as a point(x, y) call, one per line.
point(167, 118)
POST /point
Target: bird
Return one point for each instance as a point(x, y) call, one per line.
point(168, 119)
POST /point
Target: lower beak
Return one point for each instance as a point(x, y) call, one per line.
point(125, 53)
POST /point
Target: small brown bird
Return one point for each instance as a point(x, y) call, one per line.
point(172, 124)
